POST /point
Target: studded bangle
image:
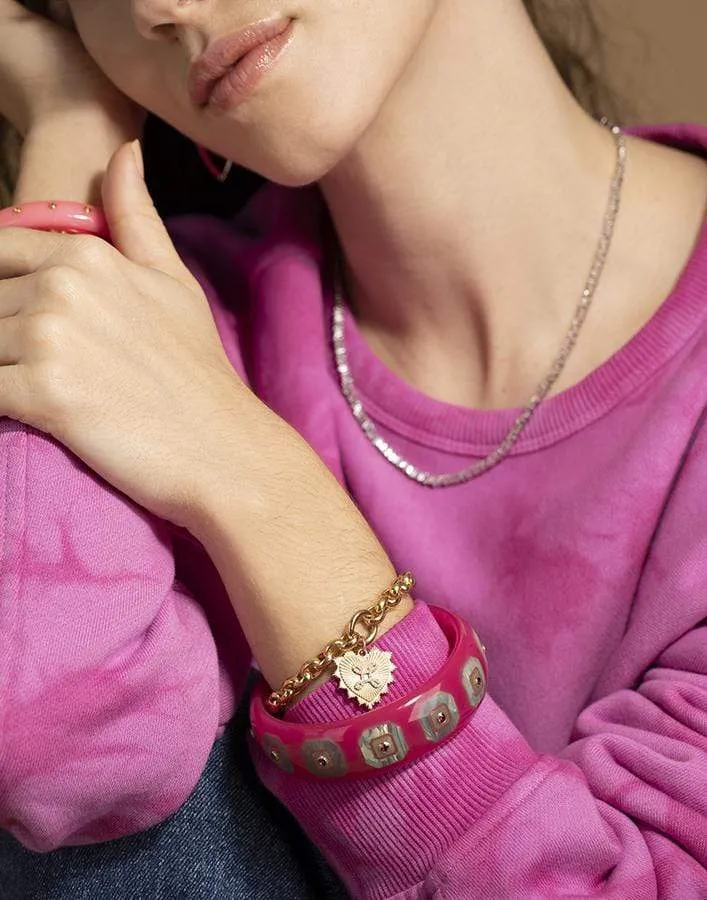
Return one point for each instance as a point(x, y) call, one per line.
point(66, 216)
point(364, 674)
point(397, 732)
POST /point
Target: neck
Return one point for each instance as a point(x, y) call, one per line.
point(469, 212)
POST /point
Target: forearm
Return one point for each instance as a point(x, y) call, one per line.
point(295, 554)
point(65, 158)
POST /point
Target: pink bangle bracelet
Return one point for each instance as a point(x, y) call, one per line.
point(68, 216)
point(399, 732)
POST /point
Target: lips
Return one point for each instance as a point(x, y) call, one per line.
point(224, 53)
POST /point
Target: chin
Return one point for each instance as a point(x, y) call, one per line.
point(296, 165)
point(296, 152)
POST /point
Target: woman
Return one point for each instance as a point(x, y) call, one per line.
point(414, 302)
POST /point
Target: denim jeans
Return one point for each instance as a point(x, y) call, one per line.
point(231, 840)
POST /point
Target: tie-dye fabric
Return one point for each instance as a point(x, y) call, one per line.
point(581, 561)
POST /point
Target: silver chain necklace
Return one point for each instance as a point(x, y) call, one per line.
point(543, 389)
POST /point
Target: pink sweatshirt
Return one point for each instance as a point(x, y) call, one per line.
point(581, 561)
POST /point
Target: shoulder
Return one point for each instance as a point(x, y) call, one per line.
point(229, 252)
point(261, 249)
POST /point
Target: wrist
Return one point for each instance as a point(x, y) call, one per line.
point(114, 118)
point(257, 468)
point(295, 554)
point(228, 487)
point(55, 164)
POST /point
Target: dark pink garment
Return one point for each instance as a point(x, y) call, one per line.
point(581, 561)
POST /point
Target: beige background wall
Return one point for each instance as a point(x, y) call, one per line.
point(658, 56)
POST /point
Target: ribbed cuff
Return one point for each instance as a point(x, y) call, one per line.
point(385, 833)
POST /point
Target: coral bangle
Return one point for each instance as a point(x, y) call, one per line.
point(398, 732)
point(67, 216)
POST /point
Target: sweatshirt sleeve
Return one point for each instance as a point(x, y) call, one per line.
point(110, 685)
point(620, 812)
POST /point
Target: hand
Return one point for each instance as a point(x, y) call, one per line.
point(45, 71)
point(113, 350)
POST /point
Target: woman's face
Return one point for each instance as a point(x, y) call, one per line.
point(309, 111)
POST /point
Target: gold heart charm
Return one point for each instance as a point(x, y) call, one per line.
point(365, 676)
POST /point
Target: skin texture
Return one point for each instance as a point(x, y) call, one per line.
point(352, 104)
point(324, 94)
point(68, 340)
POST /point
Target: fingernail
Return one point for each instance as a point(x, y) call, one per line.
point(137, 153)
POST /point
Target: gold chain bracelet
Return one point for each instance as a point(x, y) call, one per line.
point(364, 675)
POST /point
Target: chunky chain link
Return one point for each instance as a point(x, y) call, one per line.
point(351, 640)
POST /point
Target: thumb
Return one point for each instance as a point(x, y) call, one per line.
point(136, 229)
